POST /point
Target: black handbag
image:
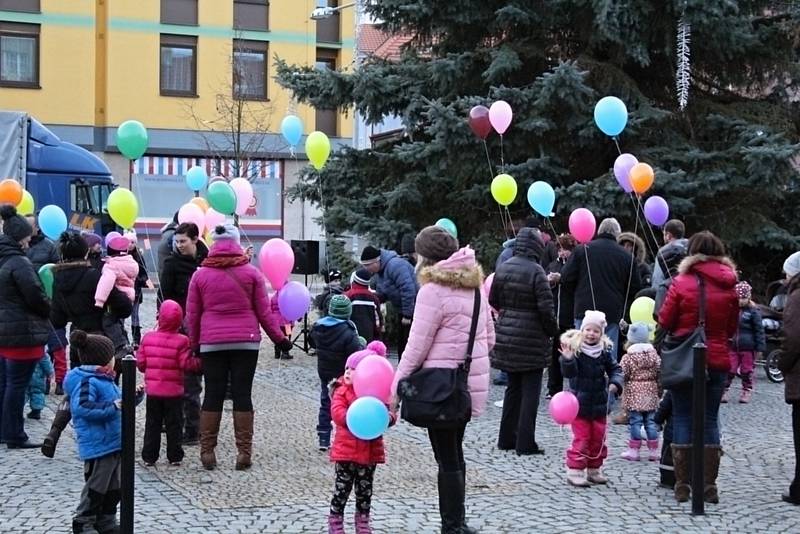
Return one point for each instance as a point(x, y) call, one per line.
point(436, 397)
point(677, 357)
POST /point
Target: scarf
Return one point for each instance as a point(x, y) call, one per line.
point(592, 351)
point(222, 262)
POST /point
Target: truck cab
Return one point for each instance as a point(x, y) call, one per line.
point(71, 177)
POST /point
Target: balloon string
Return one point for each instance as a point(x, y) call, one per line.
point(657, 254)
point(555, 234)
point(149, 246)
point(502, 156)
point(322, 213)
point(633, 258)
point(511, 223)
point(589, 271)
point(503, 220)
point(488, 159)
point(616, 142)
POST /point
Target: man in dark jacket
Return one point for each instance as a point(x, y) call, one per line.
point(396, 283)
point(564, 310)
point(521, 293)
point(23, 327)
point(175, 277)
point(606, 282)
point(165, 246)
point(675, 244)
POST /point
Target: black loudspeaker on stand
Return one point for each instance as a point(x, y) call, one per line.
point(306, 262)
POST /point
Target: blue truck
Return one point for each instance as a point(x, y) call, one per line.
point(56, 172)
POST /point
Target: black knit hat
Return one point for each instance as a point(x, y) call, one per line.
point(15, 226)
point(72, 246)
point(370, 254)
point(435, 243)
point(93, 350)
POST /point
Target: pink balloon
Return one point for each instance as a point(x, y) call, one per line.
point(582, 225)
point(564, 407)
point(276, 259)
point(622, 168)
point(500, 115)
point(110, 236)
point(192, 213)
point(373, 378)
point(213, 218)
point(244, 194)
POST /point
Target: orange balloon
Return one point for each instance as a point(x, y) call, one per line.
point(642, 177)
point(201, 202)
point(10, 192)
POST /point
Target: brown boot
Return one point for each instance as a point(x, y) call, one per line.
point(712, 454)
point(60, 422)
point(680, 459)
point(209, 429)
point(243, 431)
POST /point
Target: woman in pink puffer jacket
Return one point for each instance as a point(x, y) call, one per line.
point(226, 305)
point(439, 337)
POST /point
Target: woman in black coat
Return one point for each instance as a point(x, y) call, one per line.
point(524, 330)
point(24, 328)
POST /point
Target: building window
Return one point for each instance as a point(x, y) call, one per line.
point(328, 29)
point(250, 69)
point(183, 12)
point(251, 15)
point(19, 55)
point(178, 65)
point(27, 6)
point(326, 119)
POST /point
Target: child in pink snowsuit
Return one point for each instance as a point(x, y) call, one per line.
point(119, 270)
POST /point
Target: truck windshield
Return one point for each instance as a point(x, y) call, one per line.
point(90, 199)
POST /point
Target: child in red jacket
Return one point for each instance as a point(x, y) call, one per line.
point(163, 357)
point(355, 458)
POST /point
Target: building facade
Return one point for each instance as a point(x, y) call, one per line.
point(197, 73)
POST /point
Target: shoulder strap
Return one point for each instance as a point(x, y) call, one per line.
point(473, 329)
point(248, 298)
point(701, 316)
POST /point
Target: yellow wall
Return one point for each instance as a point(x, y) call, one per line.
point(71, 92)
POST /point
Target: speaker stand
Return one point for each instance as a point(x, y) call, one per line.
point(303, 331)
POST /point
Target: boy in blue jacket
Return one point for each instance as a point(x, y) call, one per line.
point(96, 404)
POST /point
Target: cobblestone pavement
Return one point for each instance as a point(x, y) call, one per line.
point(288, 488)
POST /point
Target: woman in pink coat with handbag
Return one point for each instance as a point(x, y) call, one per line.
point(439, 337)
point(226, 305)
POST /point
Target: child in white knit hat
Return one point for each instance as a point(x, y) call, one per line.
point(587, 363)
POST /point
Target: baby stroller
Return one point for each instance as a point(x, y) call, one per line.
point(772, 319)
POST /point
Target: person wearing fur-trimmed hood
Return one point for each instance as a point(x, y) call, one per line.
point(593, 374)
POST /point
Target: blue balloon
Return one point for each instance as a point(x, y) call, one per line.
point(611, 115)
point(367, 418)
point(52, 221)
point(542, 198)
point(292, 129)
point(448, 225)
point(196, 178)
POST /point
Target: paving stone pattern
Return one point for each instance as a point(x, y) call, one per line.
point(289, 487)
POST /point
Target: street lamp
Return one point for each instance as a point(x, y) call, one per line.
point(322, 13)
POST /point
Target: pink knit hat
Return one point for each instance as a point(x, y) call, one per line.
point(375, 347)
point(596, 318)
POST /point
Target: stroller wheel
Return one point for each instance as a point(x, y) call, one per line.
point(771, 366)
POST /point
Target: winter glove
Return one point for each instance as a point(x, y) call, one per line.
point(285, 344)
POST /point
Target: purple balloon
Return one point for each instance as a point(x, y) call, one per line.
point(622, 168)
point(294, 301)
point(656, 211)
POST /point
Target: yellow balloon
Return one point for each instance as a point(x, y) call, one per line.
point(642, 310)
point(504, 189)
point(123, 207)
point(26, 205)
point(318, 149)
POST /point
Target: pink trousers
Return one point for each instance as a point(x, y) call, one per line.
point(588, 444)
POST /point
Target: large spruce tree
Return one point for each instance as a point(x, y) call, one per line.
point(727, 162)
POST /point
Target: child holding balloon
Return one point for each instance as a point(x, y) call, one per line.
point(593, 374)
point(355, 458)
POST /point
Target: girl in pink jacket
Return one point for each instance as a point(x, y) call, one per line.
point(448, 279)
point(119, 270)
point(163, 357)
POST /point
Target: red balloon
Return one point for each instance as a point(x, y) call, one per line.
point(479, 121)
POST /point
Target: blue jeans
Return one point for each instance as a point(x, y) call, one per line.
point(324, 424)
point(682, 410)
point(612, 331)
point(637, 419)
point(15, 375)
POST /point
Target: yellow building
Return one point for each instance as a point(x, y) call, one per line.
point(194, 72)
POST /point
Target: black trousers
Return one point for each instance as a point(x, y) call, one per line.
point(192, 388)
point(237, 365)
point(403, 332)
point(167, 412)
point(555, 380)
point(794, 489)
point(448, 448)
point(520, 405)
point(348, 476)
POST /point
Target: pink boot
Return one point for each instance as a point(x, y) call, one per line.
point(362, 524)
point(652, 446)
point(632, 452)
point(335, 524)
point(747, 396)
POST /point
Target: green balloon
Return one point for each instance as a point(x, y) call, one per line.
point(448, 225)
point(222, 197)
point(132, 139)
point(46, 276)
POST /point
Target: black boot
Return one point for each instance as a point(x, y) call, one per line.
point(451, 503)
point(60, 422)
point(136, 332)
